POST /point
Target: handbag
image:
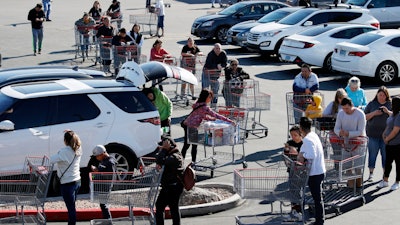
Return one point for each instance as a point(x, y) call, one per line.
point(57, 180)
point(183, 122)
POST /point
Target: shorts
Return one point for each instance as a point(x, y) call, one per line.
point(160, 22)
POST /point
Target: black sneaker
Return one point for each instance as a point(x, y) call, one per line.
point(40, 51)
point(48, 20)
point(34, 53)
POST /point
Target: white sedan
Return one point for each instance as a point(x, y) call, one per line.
point(373, 54)
point(315, 46)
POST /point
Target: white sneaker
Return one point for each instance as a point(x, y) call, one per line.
point(370, 178)
point(395, 186)
point(383, 184)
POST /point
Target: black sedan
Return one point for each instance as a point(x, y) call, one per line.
point(217, 25)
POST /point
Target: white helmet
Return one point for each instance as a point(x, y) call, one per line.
point(131, 71)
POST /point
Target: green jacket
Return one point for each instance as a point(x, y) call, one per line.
point(163, 104)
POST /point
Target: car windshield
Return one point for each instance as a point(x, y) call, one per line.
point(316, 31)
point(273, 16)
point(5, 103)
point(366, 39)
point(232, 9)
point(296, 17)
point(356, 2)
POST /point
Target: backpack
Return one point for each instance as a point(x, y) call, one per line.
point(188, 178)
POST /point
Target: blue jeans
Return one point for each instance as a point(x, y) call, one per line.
point(315, 185)
point(69, 191)
point(37, 38)
point(47, 8)
point(374, 145)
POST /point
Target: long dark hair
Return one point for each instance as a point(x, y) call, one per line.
point(385, 91)
point(204, 95)
point(395, 105)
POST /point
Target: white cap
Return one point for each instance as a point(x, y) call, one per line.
point(98, 150)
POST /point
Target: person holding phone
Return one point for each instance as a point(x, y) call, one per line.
point(376, 112)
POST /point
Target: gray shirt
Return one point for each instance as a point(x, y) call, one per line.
point(391, 122)
point(353, 123)
point(376, 125)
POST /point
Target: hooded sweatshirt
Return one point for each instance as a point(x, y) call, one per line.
point(314, 111)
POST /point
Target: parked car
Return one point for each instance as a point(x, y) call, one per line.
point(315, 46)
point(217, 25)
point(267, 38)
point(40, 73)
point(373, 54)
point(386, 11)
point(237, 34)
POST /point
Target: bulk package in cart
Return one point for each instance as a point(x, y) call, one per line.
point(283, 182)
point(85, 40)
point(345, 161)
point(246, 94)
point(194, 64)
point(147, 21)
point(133, 189)
point(219, 133)
point(296, 105)
point(26, 187)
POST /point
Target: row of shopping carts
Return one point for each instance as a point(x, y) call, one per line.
point(138, 188)
point(26, 187)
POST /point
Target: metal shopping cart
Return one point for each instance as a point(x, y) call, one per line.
point(85, 40)
point(122, 54)
point(345, 162)
point(116, 19)
point(195, 65)
point(148, 20)
point(323, 126)
point(218, 133)
point(138, 189)
point(282, 182)
point(105, 53)
point(26, 187)
point(296, 104)
point(210, 79)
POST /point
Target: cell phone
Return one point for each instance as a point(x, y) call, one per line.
point(381, 109)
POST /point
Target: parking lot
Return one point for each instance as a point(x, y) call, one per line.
point(275, 79)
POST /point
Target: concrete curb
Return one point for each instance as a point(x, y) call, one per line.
point(186, 211)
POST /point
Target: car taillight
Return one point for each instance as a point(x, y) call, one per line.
point(154, 120)
point(308, 45)
point(377, 25)
point(359, 54)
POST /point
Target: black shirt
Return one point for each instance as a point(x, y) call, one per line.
point(33, 14)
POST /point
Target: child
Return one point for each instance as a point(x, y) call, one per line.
point(314, 109)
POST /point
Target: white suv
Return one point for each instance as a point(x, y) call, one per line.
point(267, 38)
point(112, 112)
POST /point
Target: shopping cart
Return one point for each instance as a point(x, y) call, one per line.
point(219, 133)
point(296, 104)
point(323, 126)
point(345, 162)
point(138, 189)
point(85, 40)
point(122, 54)
point(195, 65)
point(26, 187)
point(105, 53)
point(210, 79)
point(275, 183)
point(116, 19)
point(148, 20)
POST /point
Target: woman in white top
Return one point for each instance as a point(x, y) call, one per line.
point(68, 161)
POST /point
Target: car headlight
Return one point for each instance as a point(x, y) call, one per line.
point(208, 24)
point(271, 33)
point(244, 34)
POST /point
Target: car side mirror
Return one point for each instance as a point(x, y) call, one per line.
point(369, 6)
point(308, 23)
point(6, 125)
point(238, 15)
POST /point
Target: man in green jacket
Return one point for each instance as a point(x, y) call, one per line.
point(163, 105)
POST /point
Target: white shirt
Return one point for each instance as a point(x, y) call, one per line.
point(312, 150)
point(160, 8)
point(354, 123)
point(63, 159)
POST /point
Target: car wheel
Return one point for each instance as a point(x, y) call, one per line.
point(222, 34)
point(126, 160)
point(387, 72)
point(277, 46)
point(328, 62)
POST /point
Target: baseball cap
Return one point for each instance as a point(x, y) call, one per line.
point(98, 150)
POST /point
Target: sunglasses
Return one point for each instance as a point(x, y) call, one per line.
point(234, 64)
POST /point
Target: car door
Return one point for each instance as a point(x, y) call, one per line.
point(30, 136)
point(386, 11)
point(88, 115)
point(250, 12)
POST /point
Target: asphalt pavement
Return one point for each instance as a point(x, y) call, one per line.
point(275, 79)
